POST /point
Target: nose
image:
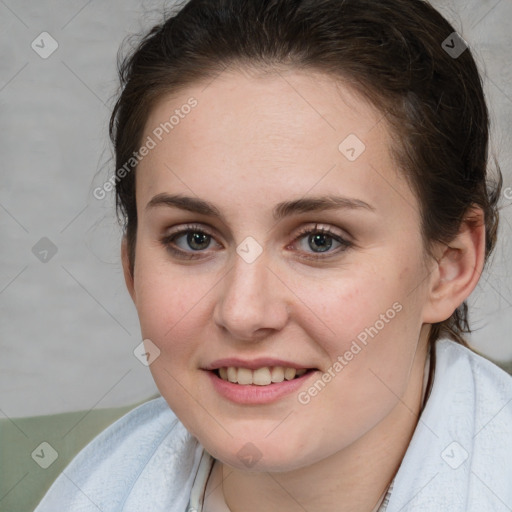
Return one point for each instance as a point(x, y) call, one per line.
point(253, 300)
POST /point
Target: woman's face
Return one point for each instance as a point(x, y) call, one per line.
point(243, 277)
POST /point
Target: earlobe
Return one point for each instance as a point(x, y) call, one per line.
point(457, 269)
point(128, 276)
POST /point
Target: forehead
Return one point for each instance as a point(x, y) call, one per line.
point(296, 108)
point(289, 131)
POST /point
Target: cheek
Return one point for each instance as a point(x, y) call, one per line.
point(170, 307)
point(369, 324)
point(349, 308)
point(371, 352)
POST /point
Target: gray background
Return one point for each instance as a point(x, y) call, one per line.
point(67, 326)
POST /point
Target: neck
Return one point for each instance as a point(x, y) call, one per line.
point(355, 478)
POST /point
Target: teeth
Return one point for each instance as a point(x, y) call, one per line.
point(289, 373)
point(260, 377)
point(232, 374)
point(244, 376)
point(277, 374)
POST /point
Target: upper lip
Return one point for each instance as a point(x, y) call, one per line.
point(253, 364)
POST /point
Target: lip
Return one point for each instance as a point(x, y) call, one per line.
point(253, 364)
point(252, 394)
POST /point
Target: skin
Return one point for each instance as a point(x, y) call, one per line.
point(254, 141)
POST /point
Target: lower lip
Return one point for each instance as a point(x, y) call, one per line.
point(253, 394)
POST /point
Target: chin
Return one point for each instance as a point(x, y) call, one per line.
point(257, 455)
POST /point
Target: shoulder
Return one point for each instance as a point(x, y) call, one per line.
point(460, 456)
point(138, 432)
point(457, 362)
point(146, 452)
point(476, 393)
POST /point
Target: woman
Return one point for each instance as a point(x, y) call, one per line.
point(306, 206)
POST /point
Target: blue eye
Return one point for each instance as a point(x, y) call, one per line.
point(195, 237)
point(320, 240)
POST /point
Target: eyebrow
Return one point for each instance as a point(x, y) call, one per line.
point(280, 211)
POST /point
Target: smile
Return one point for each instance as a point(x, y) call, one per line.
point(258, 386)
point(261, 376)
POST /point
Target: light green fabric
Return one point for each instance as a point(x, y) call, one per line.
point(23, 479)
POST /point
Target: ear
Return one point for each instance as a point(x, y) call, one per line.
point(457, 268)
point(128, 276)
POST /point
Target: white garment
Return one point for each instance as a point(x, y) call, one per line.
point(459, 458)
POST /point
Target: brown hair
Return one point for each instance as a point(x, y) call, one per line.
point(392, 52)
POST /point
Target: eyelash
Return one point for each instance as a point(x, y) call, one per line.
point(168, 240)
